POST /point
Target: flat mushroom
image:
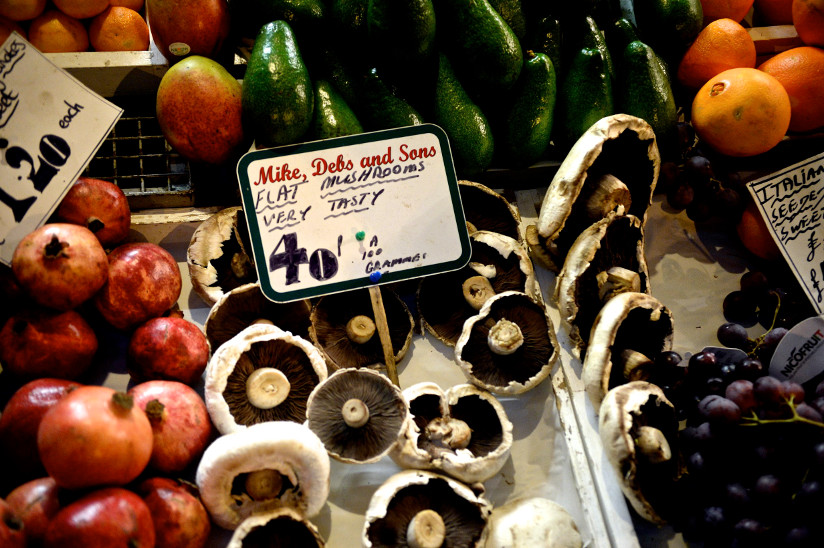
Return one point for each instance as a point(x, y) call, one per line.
point(421, 509)
point(606, 259)
point(630, 331)
point(262, 374)
point(485, 209)
point(510, 346)
point(344, 328)
point(462, 432)
point(242, 306)
point(613, 166)
point(262, 468)
point(530, 522)
point(638, 427)
point(498, 263)
point(358, 414)
point(219, 256)
point(281, 527)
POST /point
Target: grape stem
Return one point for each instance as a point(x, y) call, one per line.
point(759, 340)
point(755, 420)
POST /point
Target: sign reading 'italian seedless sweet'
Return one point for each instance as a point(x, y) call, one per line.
point(353, 212)
point(51, 125)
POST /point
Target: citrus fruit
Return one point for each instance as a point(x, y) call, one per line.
point(808, 18)
point(6, 28)
point(773, 12)
point(136, 5)
point(81, 9)
point(21, 10)
point(801, 71)
point(723, 44)
point(55, 32)
point(119, 29)
point(741, 112)
point(719, 9)
point(753, 232)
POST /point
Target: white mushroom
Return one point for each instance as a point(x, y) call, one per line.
point(531, 522)
point(488, 210)
point(281, 527)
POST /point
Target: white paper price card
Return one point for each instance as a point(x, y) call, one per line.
point(791, 202)
point(51, 125)
point(353, 212)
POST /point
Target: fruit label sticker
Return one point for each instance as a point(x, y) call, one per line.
point(51, 125)
point(799, 356)
point(791, 202)
point(353, 212)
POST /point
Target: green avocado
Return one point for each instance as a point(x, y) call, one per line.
point(585, 96)
point(332, 117)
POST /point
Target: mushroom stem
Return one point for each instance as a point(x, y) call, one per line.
point(426, 530)
point(652, 444)
point(488, 271)
point(470, 228)
point(355, 413)
point(617, 280)
point(477, 290)
point(263, 484)
point(241, 266)
point(267, 387)
point(610, 194)
point(451, 432)
point(505, 337)
point(636, 366)
point(360, 329)
point(263, 321)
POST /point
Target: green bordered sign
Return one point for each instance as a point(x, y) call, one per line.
point(353, 212)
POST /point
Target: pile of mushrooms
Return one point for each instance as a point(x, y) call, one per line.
point(487, 210)
point(280, 527)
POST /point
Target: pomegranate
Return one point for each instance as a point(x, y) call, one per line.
point(180, 519)
point(42, 342)
point(11, 294)
point(170, 348)
point(111, 516)
point(60, 265)
point(12, 529)
point(180, 423)
point(19, 423)
point(101, 206)
point(144, 282)
point(35, 503)
point(94, 436)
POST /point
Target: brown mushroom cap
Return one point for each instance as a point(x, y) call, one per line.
point(281, 527)
point(331, 315)
point(219, 256)
point(485, 209)
point(368, 433)
point(517, 370)
point(502, 260)
point(402, 497)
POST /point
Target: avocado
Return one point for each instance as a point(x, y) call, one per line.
point(277, 96)
point(403, 30)
point(248, 16)
point(544, 36)
point(380, 106)
point(332, 116)
point(513, 13)
point(585, 33)
point(585, 95)
point(668, 26)
point(347, 20)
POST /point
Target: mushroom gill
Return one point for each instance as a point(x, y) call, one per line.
point(283, 527)
point(486, 209)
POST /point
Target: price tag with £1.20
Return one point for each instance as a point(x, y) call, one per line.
point(51, 126)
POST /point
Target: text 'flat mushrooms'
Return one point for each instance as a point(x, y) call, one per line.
point(510, 346)
point(264, 467)
point(245, 305)
point(630, 331)
point(463, 432)
point(344, 329)
point(422, 509)
point(638, 428)
point(281, 527)
point(613, 166)
point(358, 414)
point(531, 522)
point(219, 255)
point(262, 374)
point(498, 263)
point(606, 259)
point(485, 209)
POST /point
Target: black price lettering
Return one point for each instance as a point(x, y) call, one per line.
point(290, 258)
point(55, 150)
point(323, 264)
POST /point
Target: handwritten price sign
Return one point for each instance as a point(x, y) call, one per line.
point(352, 212)
point(50, 127)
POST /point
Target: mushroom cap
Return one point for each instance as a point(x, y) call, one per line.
point(615, 240)
point(286, 447)
point(216, 244)
point(280, 527)
point(396, 502)
point(260, 346)
point(631, 320)
point(532, 521)
point(627, 407)
point(621, 145)
point(388, 414)
point(329, 318)
point(242, 306)
point(505, 262)
point(487, 210)
point(521, 370)
point(491, 439)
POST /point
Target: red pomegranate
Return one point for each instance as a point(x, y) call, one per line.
point(180, 519)
point(35, 503)
point(100, 206)
point(12, 528)
point(60, 265)
point(170, 348)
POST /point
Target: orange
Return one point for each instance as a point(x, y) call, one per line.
point(136, 5)
point(21, 10)
point(801, 71)
point(119, 29)
point(741, 112)
point(55, 32)
point(773, 12)
point(81, 9)
point(720, 9)
point(6, 28)
point(808, 18)
point(753, 232)
point(721, 45)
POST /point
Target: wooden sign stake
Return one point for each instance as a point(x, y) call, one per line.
point(383, 332)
